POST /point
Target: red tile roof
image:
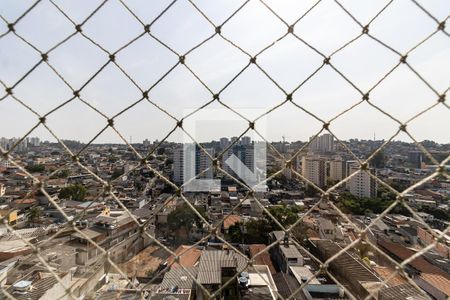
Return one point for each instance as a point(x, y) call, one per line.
point(386, 272)
point(429, 273)
point(231, 220)
point(188, 258)
point(25, 201)
point(263, 258)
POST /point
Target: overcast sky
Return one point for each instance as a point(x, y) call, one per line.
point(289, 62)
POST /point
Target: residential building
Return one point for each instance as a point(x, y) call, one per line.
point(246, 141)
point(215, 268)
point(118, 235)
point(427, 238)
point(348, 270)
point(404, 291)
point(244, 153)
point(415, 159)
point(34, 141)
point(189, 161)
point(427, 276)
point(224, 142)
point(337, 169)
point(361, 184)
point(313, 169)
point(321, 144)
point(285, 253)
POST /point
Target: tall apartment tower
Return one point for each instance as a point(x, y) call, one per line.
point(322, 144)
point(178, 174)
point(224, 142)
point(362, 184)
point(34, 141)
point(415, 159)
point(337, 169)
point(313, 169)
point(246, 141)
point(243, 153)
point(190, 160)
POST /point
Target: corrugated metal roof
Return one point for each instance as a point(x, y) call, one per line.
point(180, 278)
point(402, 291)
point(212, 261)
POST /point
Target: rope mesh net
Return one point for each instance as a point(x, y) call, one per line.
point(217, 30)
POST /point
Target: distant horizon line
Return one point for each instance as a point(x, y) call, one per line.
point(218, 141)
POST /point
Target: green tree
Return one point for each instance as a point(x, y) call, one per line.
point(183, 218)
point(299, 233)
point(34, 168)
point(379, 160)
point(168, 162)
point(61, 174)
point(235, 233)
point(34, 214)
point(75, 192)
point(283, 214)
point(437, 213)
point(161, 151)
point(257, 231)
point(310, 191)
point(117, 173)
point(112, 159)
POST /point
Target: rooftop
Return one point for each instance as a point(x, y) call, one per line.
point(231, 220)
point(263, 258)
point(212, 262)
point(180, 278)
point(189, 256)
point(290, 251)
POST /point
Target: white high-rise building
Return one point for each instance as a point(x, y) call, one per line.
point(34, 141)
point(313, 169)
point(244, 153)
point(183, 163)
point(146, 143)
point(178, 165)
point(362, 184)
point(204, 162)
point(246, 141)
point(337, 169)
point(4, 143)
point(224, 142)
point(321, 144)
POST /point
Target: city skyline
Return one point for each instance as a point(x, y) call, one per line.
point(155, 141)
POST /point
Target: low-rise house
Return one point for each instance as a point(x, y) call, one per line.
point(188, 257)
point(229, 221)
point(285, 253)
point(442, 247)
point(177, 283)
point(427, 276)
point(217, 267)
point(348, 270)
point(119, 235)
point(320, 286)
point(263, 258)
point(24, 203)
point(404, 291)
